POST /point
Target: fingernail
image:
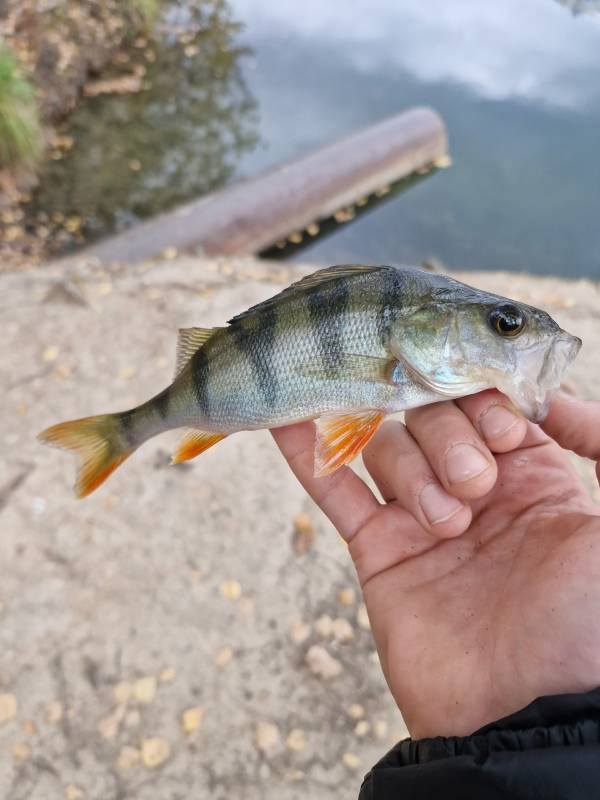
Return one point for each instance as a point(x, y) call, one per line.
point(464, 462)
point(496, 421)
point(437, 505)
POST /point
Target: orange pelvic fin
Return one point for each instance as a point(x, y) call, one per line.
point(193, 443)
point(96, 441)
point(341, 437)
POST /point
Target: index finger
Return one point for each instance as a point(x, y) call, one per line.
point(342, 496)
point(575, 425)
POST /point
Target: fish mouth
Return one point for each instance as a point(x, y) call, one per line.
point(534, 397)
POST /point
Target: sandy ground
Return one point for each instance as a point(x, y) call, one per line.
point(154, 637)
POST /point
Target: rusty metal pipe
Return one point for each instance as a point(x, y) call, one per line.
point(251, 215)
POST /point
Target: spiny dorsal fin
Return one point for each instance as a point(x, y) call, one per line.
point(341, 437)
point(188, 341)
point(309, 282)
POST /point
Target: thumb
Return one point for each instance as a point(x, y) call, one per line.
point(575, 425)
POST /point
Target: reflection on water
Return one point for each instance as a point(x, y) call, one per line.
point(137, 154)
point(518, 85)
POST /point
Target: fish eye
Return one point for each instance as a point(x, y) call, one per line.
point(506, 320)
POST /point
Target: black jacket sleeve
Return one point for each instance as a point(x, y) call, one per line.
point(549, 750)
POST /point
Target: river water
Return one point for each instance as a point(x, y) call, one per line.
point(518, 85)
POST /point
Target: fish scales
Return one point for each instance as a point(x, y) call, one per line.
point(345, 346)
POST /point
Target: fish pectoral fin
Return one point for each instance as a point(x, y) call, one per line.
point(341, 437)
point(188, 342)
point(355, 366)
point(193, 443)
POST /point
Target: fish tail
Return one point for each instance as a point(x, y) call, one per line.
point(98, 442)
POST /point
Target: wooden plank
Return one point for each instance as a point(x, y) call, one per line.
point(251, 215)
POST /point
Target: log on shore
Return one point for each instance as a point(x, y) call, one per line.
point(251, 215)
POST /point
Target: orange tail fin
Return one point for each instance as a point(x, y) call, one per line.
point(97, 443)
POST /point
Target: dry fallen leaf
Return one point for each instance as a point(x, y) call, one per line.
point(296, 740)
point(73, 792)
point(322, 664)
point(155, 751)
point(223, 656)
point(108, 727)
point(144, 689)
point(342, 630)
point(231, 590)
point(355, 711)
point(351, 761)
point(122, 692)
point(304, 534)
point(167, 675)
point(191, 719)
point(362, 617)
point(347, 596)
point(299, 631)
point(53, 712)
point(8, 707)
point(268, 738)
point(128, 757)
point(50, 353)
point(20, 751)
point(323, 625)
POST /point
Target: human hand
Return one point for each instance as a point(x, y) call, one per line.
point(483, 589)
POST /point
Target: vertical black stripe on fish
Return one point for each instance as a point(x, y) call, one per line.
point(161, 402)
point(126, 426)
point(200, 371)
point(255, 338)
point(327, 307)
point(391, 294)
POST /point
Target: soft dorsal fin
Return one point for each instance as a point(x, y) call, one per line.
point(309, 282)
point(188, 341)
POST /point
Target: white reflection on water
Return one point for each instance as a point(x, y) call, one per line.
point(530, 49)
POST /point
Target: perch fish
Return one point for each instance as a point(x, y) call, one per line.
point(345, 346)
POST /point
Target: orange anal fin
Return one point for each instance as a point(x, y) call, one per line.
point(341, 437)
point(193, 443)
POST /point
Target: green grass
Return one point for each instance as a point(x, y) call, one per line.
point(21, 138)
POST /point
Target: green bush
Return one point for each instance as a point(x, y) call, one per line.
point(20, 130)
